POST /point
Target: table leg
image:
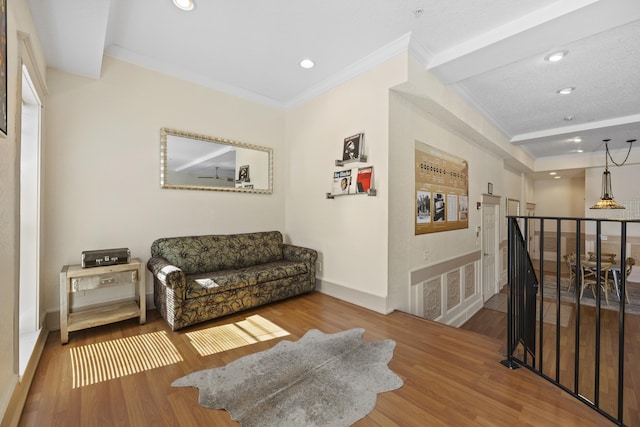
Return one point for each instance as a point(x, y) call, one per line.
point(615, 282)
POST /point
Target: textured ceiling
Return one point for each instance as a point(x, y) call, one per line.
point(601, 67)
point(490, 51)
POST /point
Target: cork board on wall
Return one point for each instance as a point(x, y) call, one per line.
point(441, 190)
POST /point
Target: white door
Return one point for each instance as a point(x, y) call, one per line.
point(489, 250)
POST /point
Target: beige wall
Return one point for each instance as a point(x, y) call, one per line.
point(18, 20)
point(102, 182)
point(349, 232)
point(563, 197)
point(411, 253)
point(8, 236)
point(424, 109)
point(366, 244)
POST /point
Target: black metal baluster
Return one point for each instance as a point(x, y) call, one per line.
point(622, 289)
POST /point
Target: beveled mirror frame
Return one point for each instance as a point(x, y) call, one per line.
point(165, 132)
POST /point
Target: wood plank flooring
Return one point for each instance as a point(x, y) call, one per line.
point(493, 323)
point(452, 377)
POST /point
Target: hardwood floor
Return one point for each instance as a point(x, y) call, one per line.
point(493, 324)
point(452, 377)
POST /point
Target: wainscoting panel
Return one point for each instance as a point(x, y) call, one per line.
point(567, 245)
point(447, 292)
point(469, 280)
point(453, 289)
point(432, 296)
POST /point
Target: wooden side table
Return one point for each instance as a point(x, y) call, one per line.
point(74, 278)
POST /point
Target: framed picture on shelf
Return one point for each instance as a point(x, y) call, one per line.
point(353, 145)
point(365, 176)
point(341, 182)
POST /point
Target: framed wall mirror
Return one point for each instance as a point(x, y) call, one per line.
point(189, 161)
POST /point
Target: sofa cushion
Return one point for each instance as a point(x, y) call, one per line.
point(199, 284)
point(202, 254)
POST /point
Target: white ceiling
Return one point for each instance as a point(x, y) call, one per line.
point(490, 51)
point(200, 158)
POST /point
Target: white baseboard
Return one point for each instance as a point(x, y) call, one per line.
point(6, 399)
point(353, 296)
point(468, 312)
point(18, 396)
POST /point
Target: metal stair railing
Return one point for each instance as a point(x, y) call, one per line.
point(526, 294)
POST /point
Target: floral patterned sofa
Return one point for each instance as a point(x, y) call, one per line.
point(197, 278)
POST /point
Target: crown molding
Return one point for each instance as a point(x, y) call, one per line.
point(420, 52)
point(401, 45)
point(180, 73)
point(565, 130)
point(396, 47)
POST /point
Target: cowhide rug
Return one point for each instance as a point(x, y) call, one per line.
point(319, 380)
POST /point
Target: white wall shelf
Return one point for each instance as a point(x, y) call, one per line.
point(360, 159)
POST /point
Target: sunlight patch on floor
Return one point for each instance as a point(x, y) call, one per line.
point(227, 337)
point(103, 361)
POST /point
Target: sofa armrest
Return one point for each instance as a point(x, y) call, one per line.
point(169, 275)
point(298, 253)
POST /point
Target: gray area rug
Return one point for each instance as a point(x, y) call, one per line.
point(319, 380)
point(632, 307)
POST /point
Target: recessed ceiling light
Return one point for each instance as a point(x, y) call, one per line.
point(553, 173)
point(566, 90)
point(185, 4)
point(579, 151)
point(307, 63)
point(556, 177)
point(556, 56)
point(577, 139)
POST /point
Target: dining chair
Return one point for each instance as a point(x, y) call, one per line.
point(612, 279)
point(604, 256)
point(595, 281)
point(570, 260)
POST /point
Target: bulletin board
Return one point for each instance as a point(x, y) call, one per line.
point(441, 190)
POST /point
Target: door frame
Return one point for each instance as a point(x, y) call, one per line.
point(27, 66)
point(491, 202)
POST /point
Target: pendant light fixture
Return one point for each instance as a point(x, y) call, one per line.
point(606, 199)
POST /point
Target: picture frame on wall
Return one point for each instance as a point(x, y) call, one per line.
point(352, 149)
point(3, 66)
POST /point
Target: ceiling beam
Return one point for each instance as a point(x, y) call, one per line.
point(80, 47)
point(539, 32)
